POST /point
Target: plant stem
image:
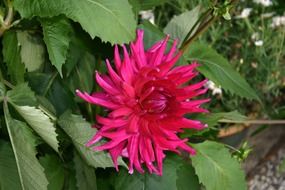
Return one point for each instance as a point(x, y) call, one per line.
point(50, 83)
point(229, 131)
point(204, 15)
point(252, 122)
point(7, 83)
point(206, 23)
point(8, 19)
point(232, 148)
point(200, 30)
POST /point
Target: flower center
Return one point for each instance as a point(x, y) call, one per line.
point(156, 102)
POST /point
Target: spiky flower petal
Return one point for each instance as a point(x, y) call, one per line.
point(147, 98)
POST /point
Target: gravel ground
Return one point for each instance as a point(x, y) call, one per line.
point(267, 175)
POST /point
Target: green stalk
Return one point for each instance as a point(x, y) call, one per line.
point(203, 16)
point(200, 30)
point(8, 19)
point(206, 23)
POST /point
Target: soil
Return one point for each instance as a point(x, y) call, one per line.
point(264, 165)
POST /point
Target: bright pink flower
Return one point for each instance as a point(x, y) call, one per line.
point(147, 99)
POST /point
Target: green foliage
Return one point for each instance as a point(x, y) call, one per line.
point(9, 178)
point(56, 33)
point(23, 141)
point(85, 175)
point(242, 153)
point(146, 4)
point(212, 119)
point(22, 95)
point(216, 68)
point(40, 122)
point(216, 168)
point(80, 132)
point(151, 33)
point(180, 25)
point(11, 55)
point(82, 72)
point(97, 17)
point(32, 50)
point(186, 178)
point(54, 171)
point(177, 174)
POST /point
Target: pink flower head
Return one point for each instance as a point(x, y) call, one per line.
point(147, 98)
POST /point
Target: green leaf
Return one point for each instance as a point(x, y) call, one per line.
point(56, 33)
point(216, 68)
point(39, 81)
point(82, 75)
point(97, 17)
point(180, 25)
point(40, 122)
point(23, 100)
point(126, 181)
point(22, 95)
point(212, 119)
point(70, 180)
point(11, 56)
point(59, 92)
point(151, 33)
point(175, 176)
point(216, 168)
point(9, 177)
point(105, 16)
point(23, 142)
point(54, 171)
point(146, 4)
point(85, 175)
point(2, 91)
point(32, 50)
point(81, 132)
point(167, 180)
point(186, 178)
point(54, 89)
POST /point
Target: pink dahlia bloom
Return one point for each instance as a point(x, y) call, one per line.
point(147, 99)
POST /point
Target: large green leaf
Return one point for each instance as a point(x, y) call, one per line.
point(23, 100)
point(146, 4)
point(12, 57)
point(85, 175)
point(9, 177)
point(177, 175)
point(32, 50)
point(126, 181)
point(22, 95)
point(54, 171)
point(52, 87)
point(41, 123)
point(216, 168)
point(57, 32)
point(81, 132)
point(180, 25)
point(82, 75)
point(23, 141)
point(216, 68)
point(97, 17)
point(186, 178)
point(39, 82)
point(59, 92)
